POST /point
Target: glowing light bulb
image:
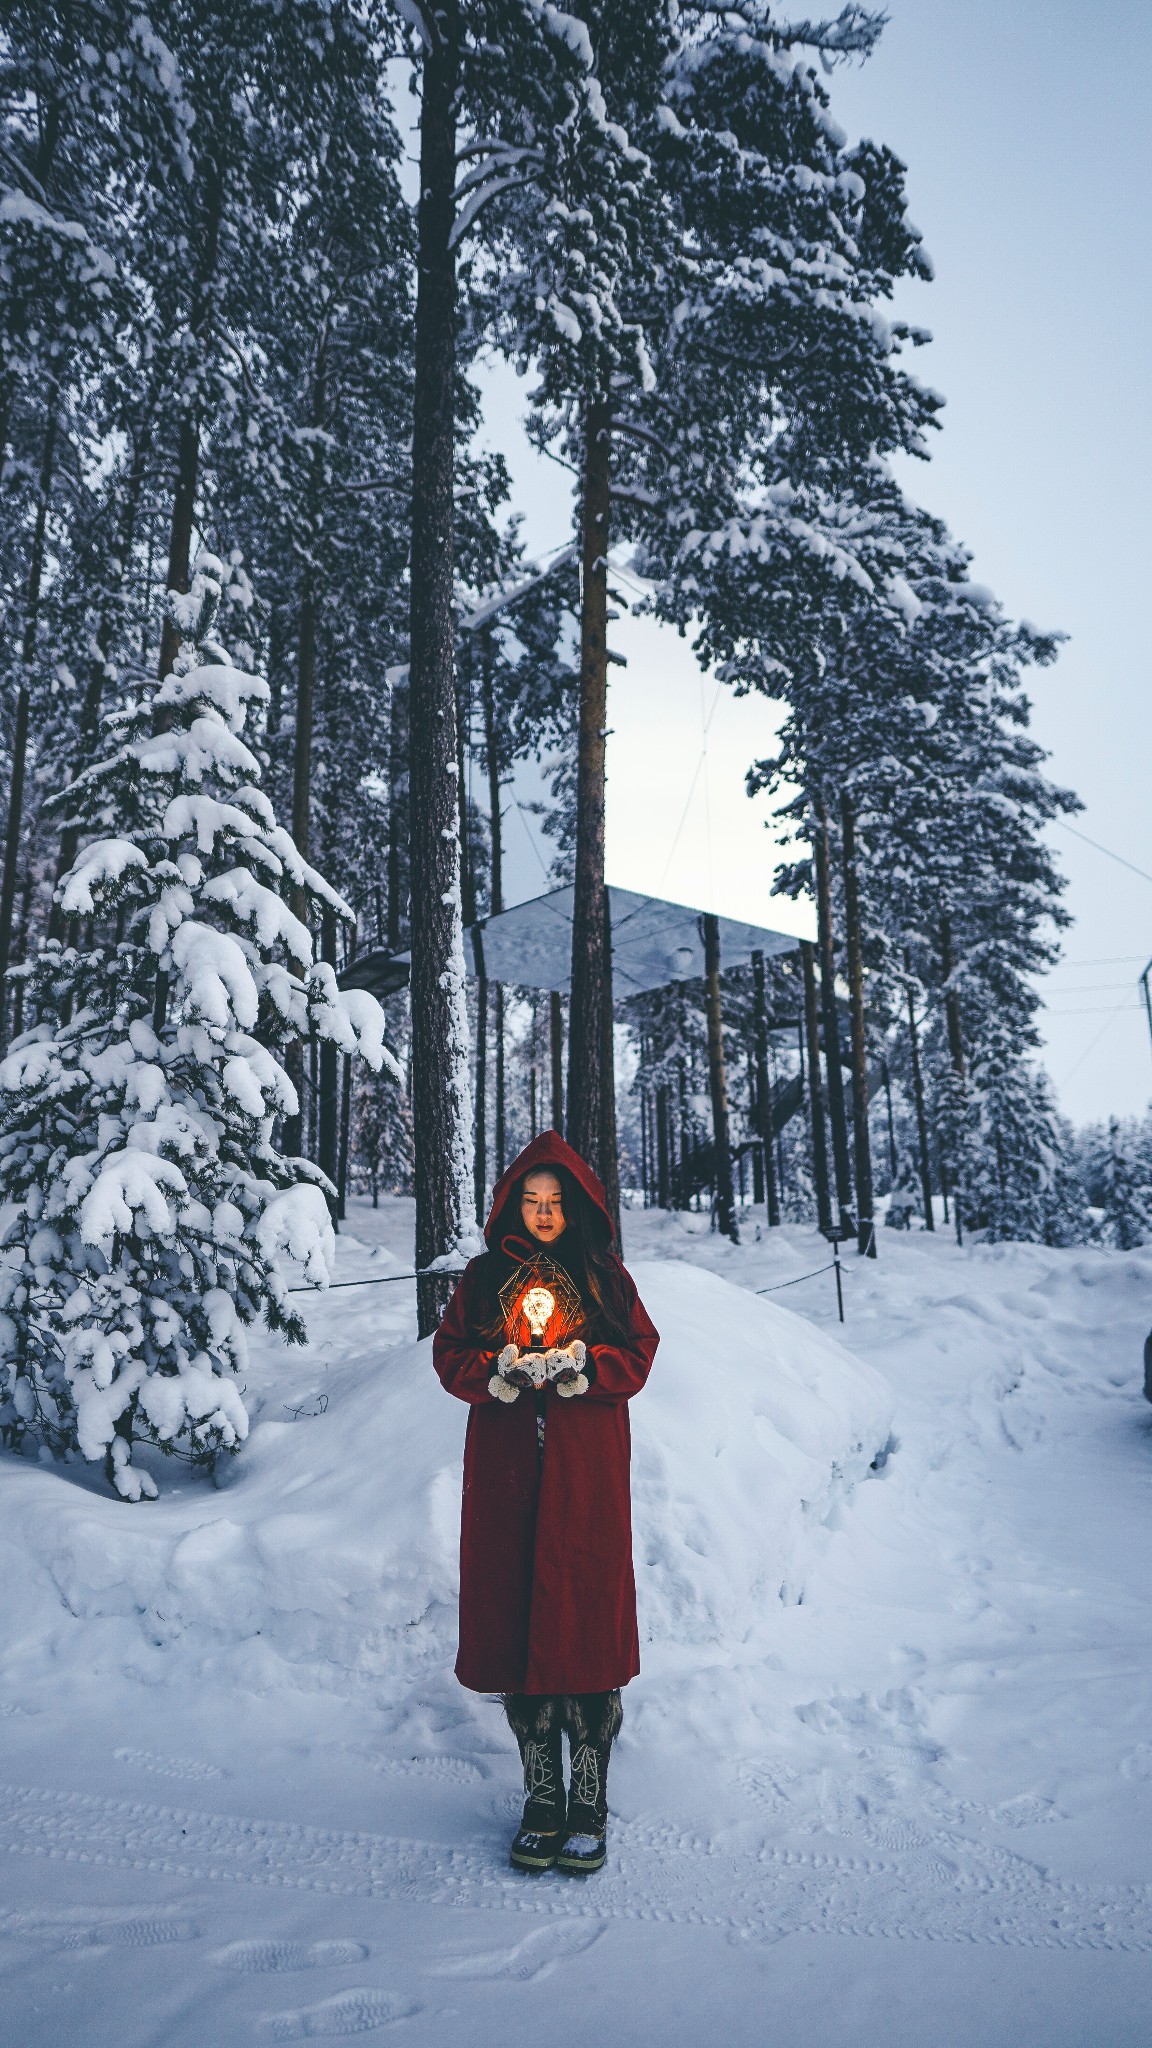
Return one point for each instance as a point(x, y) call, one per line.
point(538, 1306)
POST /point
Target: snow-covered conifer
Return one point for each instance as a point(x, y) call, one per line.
point(145, 1205)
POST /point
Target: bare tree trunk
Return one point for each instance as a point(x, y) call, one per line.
point(94, 692)
point(918, 1095)
point(861, 1136)
point(188, 445)
point(500, 1102)
point(663, 1149)
point(495, 888)
point(590, 1081)
point(718, 1083)
point(764, 1090)
point(955, 1045)
point(301, 820)
point(328, 1106)
point(397, 809)
point(609, 1150)
point(836, 1115)
point(480, 1164)
point(441, 1082)
point(815, 1091)
point(556, 1049)
point(23, 702)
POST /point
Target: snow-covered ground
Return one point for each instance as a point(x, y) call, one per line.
point(886, 1775)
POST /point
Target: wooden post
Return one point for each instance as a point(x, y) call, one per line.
point(764, 1089)
point(718, 1083)
point(865, 1220)
point(836, 1114)
point(815, 1091)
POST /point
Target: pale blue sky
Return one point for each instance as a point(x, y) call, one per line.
point(1025, 126)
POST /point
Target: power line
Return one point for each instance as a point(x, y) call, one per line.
point(1092, 1044)
point(1118, 857)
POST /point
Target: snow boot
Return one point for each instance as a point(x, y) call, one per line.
point(593, 1722)
point(536, 1724)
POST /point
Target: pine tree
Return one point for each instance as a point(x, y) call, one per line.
point(147, 1205)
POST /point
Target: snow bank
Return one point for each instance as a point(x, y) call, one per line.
point(753, 1429)
point(328, 1560)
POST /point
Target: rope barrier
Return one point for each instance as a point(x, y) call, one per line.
point(781, 1284)
point(428, 1272)
point(384, 1279)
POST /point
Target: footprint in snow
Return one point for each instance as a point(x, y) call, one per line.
point(255, 1958)
point(167, 1766)
point(535, 1956)
point(350, 2012)
point(77, 1933)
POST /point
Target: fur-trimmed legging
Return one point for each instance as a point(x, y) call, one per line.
point(588, 1717)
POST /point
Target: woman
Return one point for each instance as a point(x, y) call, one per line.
point(547, 1340)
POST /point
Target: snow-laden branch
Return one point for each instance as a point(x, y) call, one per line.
point(502, 600)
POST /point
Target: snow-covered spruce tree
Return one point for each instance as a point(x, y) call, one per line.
point(144, 1201)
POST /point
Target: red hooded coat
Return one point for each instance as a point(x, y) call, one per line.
point(547, 1591)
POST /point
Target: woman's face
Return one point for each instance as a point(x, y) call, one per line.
point(541, 1206)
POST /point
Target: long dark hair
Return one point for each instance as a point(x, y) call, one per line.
point(584, 1250)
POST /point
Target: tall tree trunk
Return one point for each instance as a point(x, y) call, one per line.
point(861, 1136)
point(836, 1115)
point(893, 1168)
point(556, 1049)
point(480, 1156)
point(952, 1001)
point(955, 1048)
point(188, 441)
point(50, 114)
point(609, 1149)
point(328, 1107)
point(590, 1080)
point(918, 1097)
point(441, 1080)
point(718, 1082)
point(763, 1089)
point(293, 1139)
point(345, 1112)
point(397, 811)
point(499, 1091)
point(663, 1148)
point(815, 1090)
point(98, 668)
point(495, 887)
point(23, 703)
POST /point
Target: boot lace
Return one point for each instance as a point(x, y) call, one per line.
point(586, 1775)
point(539, 1782)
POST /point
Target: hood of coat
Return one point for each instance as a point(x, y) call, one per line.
point(548, 1150)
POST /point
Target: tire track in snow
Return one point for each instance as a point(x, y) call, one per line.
point(952, 1889)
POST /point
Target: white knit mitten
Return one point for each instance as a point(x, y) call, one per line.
point(499, 1386)
point(566, 1370)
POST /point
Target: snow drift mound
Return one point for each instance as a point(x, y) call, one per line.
point(332, 1548)
point(752, 1430)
